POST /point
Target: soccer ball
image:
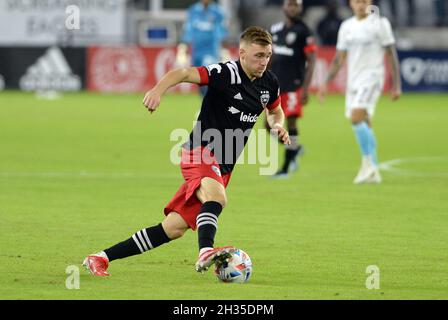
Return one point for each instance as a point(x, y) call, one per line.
point(236, 269)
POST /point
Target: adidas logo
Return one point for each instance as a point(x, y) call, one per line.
point(50, 72)
point(238, 96)
point(234, 110)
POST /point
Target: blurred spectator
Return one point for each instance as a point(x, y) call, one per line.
point(205, 29)
point(328, 27)
point(440, 8)
point(306, 3)
point(277, 3)
point(247, 9)
point(410, 14)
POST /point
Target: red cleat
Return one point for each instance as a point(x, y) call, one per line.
point(96, 265)
point(209, 257)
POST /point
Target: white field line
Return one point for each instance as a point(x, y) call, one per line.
point(392, 166)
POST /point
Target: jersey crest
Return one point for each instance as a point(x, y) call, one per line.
point(291, 38)
point(265, 97)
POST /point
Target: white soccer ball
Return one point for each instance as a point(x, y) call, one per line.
point(236, 269)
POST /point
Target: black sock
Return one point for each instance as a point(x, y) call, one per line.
point(142, 241)
point(207, 223)
point(291, 150)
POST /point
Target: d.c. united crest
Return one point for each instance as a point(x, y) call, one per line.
point(265, 97)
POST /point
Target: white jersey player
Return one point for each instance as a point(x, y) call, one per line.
point(363, 41)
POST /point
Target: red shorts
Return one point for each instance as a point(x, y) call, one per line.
point(195, 165)
point(292, 103)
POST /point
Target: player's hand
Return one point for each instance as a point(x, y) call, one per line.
point(282, 133)
point(322, 92)
point(305, 97)
point(395, 94)
point(152, 100)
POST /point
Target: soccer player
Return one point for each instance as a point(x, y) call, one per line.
point(363, 41)
point(204, 29)
point(293, 63)
point(239, 91)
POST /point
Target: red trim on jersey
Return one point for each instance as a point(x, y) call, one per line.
point(203, 73)
point(310, 48)
point(275, 104)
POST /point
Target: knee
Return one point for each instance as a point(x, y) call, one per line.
point(221, 199)
point(211, 190)
point(359, 116)
point(174, 226)
point(174, 232)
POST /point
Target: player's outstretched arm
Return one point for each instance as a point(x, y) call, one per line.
point(171, 79)
point(275, 119)
point(392, 57)
point(336, 65)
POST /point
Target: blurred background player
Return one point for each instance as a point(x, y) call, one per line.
point(293, 63)
point(328, 27)
point(362, 41)
point(204, 30)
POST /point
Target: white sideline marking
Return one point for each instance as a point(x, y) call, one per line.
point(391, 166)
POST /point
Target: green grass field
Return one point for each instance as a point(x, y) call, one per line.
point(81, 173)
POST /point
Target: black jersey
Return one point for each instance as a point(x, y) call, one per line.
point(291, 44)
point(230, 110)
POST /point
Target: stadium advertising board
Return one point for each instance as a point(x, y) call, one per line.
point(129, 69)
point(424, 70)
point(135, 69)
point(49, 22)
point(43, 69)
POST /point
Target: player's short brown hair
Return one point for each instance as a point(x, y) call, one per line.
point(256, 35)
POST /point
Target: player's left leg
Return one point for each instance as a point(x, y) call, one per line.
point(172, 227)
point(376, 176)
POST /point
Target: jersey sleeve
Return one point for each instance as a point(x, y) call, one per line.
point(342, 44)
point(310, 45)
point(274, 94)
point(220, 75)
point(387, 35)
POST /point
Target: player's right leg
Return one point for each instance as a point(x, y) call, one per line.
point(293, 150)
point(212, 195)
point(172, 227)
point(361, 126)
point(293, 109)
point(360, 107)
